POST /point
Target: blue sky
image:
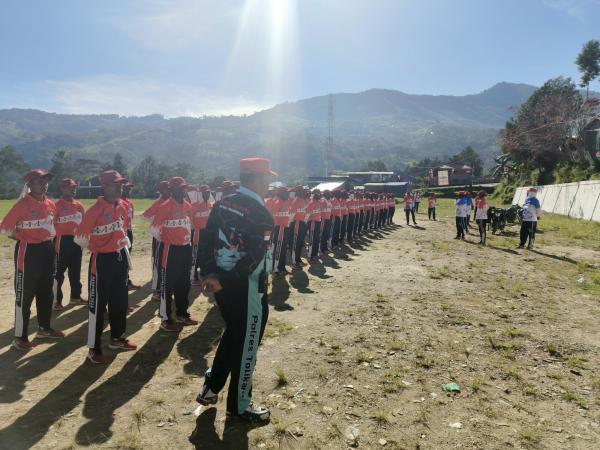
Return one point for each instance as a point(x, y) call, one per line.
point(194, 57)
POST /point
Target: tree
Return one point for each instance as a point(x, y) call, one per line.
point(470, 157)
point(376, 165)
point(547, 127)
point(11, 176)
point(588, 62)
point(118, 164)
point(146, 176)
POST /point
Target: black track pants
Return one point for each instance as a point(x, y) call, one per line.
point(482, 231)
point(314, 238)
point(176, 263)
point(350, 227)
point(410, 213)
point(344, 227)
point(460, 227)
point(195, 265)
point(298, 242)
point(107, 287)
point(281, 238)
point(431, 213)
point(335, 232)
point(68, 258)
point(528, 230)
point(156, 263)
point(245, 313)
point(325, 233)
point(34, 273)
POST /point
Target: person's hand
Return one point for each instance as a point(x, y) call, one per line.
point(211, 284)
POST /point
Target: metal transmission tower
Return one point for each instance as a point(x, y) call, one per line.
point(328, 157)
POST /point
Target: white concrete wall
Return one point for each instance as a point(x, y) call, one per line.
point(580, 200)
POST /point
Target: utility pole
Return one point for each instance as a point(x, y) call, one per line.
point(330, 127)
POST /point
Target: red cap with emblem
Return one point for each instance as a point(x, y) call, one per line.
point(111, 176)
point(177, 182)
point(35, 174)
point(257, 166)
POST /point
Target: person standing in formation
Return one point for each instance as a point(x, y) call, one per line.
point(235, 261)
point(280, 209)
point(313, 214)
point(391, 208)
point(532, 211)
point(345, 211)
point(69, 214)
point(481, 209)
point(431, 202)
point(299, 225)
point(103, 231)
point(172, 226)
point(336, 220)
point(409, 209)
point(326, 218)
point(360, 210)
point(31, 223)
point(148, 216)
point(417, 200)
point(200, 212)
point(129, 223)
point(462, 211)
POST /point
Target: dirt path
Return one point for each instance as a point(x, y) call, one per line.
point(364, 340)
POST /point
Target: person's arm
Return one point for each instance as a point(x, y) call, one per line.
point(8, 225)
point(83, 232)
point(156, 223)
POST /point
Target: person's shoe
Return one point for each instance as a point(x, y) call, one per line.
point(520, 246)
point(156, 296)
point(57, 306)
point(96, 358)
point(78, 301)
point(254, 413)
point(185, 321)
point(530, 247)
point(169, 327)
point(121, 344)
point(22, 344)
point(50, 333)
point(206, 396)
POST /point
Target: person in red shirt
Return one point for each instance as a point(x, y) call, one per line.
point(172, 226)
point(31, 223)
point(69, 214)
point(103, 231)
point(148, 216)
point(345, 211)
point(326, 219)
point(431, 201)
point(313, 217)
point(336, 220)
point(280, 209)
point(298, 226)
point(200, 212)
point(129, 224)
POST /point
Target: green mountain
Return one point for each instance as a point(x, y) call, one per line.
point(374, 124)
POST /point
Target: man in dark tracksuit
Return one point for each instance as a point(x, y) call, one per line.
point(236, 257)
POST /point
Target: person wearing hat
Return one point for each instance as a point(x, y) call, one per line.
point(30, 222)
point(235, 260)
point(336, 220)
point(360, 211)
point(462, 211)
point(280, 209)
point(409, 209)
point(345, 211)
point(148, 216)
point(313, 214)
point(172, 227)
point(127, 186)
point(431, 202)
point(200, 212)
point(481, 210)
point(69, 214)
point(298, 226)
point(326, 220)
point(532, 211)
point(103, 231)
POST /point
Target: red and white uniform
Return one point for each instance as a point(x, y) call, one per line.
point(128, 204)
point(103, 228)
point(431, 201)
point(172, 224)
point(30, 221)
point(200, 212)
point(149, 214)
point(69, 214)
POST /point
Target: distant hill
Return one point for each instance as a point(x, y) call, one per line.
point(374, 124)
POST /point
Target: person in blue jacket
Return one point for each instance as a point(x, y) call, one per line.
point(532, 212)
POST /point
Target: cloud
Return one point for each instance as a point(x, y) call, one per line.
point(134, 96)
point(578, 9)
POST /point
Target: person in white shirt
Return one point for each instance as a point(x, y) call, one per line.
point(532, 212)
point(481, 209)
point(462, 211)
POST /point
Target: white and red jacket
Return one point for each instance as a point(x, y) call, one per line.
point(149, 214)
point(30, 221)
point(103, 228)
point(313, 210)
point(69, 214)
point(172, 224)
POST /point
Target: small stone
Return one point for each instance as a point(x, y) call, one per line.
point(406, 383)
point(382, 442)
point(391, 352)
point(376, 366)
point(456, 425)
point(349, 386)
point(327, 410)
point(160, 424)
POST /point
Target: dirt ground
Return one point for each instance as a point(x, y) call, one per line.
point(356, 351)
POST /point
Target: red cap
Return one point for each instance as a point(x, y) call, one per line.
point(532, 189)
point(35, 174)
point(67, 183)
point(111, 176)
point(177, 182)
point(204, 188)
point(256, 165)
